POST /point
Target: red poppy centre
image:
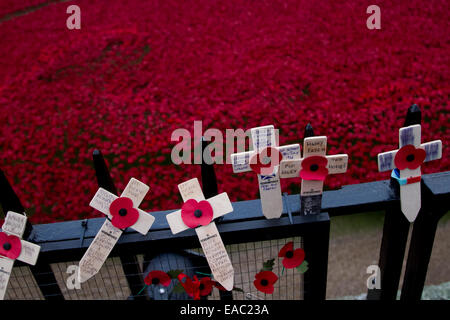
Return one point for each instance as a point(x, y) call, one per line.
point(198, 213)
point(7, 246)
point(410, 158)
point(314, 167)
point(202, 286)
point(264, 282)
point(289, 254)
point(123, 212)
point(155, 281)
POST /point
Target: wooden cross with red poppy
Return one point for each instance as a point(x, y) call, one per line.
point(122, 212)
point(12, 247)
point(264, 160)
point(314, 167)
point(198, 213)
point(405, 164)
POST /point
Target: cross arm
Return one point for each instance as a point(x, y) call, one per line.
point(102, 201)
point(290, 151)
point(433, 150)
point(220, 204)
point(241, 161)
point(29, 253)
point(337, 163)
point(386, 160)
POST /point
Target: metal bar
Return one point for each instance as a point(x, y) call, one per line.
point(316, 244)
point(130, 263)
point(434, 205)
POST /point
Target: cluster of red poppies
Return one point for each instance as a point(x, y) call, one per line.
point(266, 278)
point(195, 288)
point(137, 70)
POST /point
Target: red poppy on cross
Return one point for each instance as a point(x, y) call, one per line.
point(198, 213)
point(12, 247)
point(264, 160)
point(315, 165)
point(406, 162)
point(122, 212)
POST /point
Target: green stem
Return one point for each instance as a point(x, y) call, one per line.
point(142, 290)
point(204, 274)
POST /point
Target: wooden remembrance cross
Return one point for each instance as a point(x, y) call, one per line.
point(122, 212)
point(198, 213)
point(313, 168)
point(264, 160)
point(12, 247)
point(405, 164)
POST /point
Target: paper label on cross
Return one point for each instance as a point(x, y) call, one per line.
point(269, 176)
point(108, 235)
point(407, 160)
point(12, 231)
point(209, 237)
point(314, 166)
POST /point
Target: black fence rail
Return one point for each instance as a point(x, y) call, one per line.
point(67, 241)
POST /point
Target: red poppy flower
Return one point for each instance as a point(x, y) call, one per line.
point(409, 157)
point(314, 168)
point(123, 212)
point(292, 258)
point(196, 213)
point(265, 161)
point(10, 246)
point(205, 287)
point(265, 280)
point(192, 287)
point(157, 277)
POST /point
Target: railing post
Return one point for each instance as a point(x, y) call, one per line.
point(130, 263)
point(42, 271)
point(210, 189)
point(316, 244)
point(395, 235)
point(435, 205)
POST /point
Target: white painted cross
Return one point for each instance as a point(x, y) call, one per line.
point(406, 162)
point(195, 211)
point(264, 159)
point(314, 166)
point(122, 212)
point(14, 248)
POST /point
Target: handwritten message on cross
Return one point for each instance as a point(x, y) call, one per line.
point(313, 168)
point(264, 160)
point(405, 164)
point(122, 212)
point(12, 247)
point(198, 213)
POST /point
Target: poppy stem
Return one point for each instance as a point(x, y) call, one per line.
point(142, 289)
point(282, 271)
point(203, 274)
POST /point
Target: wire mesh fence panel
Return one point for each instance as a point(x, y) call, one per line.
point(110, 282)
point(22, 285)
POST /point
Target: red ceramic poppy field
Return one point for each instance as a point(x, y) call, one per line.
point(137, 70)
